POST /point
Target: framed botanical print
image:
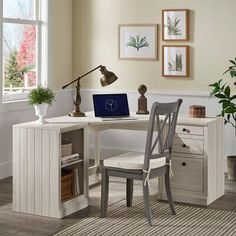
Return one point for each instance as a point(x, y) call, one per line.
point(175, 61)
point(175, 25)
point(138, 42)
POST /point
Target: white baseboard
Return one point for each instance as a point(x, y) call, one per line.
point(5, 169)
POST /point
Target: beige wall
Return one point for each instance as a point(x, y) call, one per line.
point(95, 35)
point(61, 42)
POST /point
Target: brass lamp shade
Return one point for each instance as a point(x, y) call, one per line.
point(108, 77)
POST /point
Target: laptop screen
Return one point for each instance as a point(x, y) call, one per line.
point(110, 105)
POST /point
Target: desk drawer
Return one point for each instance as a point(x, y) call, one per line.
point(186, 145)
point(189, 130)
point(188, 174)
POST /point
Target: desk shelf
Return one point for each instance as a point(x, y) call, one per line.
point(37, 168)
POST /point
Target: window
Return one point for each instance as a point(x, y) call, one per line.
point(24, 42)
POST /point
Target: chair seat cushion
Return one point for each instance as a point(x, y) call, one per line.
point(133, 160)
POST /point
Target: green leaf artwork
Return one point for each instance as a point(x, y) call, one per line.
point(137, 42)
point(173, 26)
point(176, 64)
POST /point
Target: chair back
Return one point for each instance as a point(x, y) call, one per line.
point(163, 119)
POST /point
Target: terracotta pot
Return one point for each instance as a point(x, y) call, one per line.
point(231, 164)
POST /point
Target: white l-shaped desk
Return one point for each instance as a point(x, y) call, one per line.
point(198, 162)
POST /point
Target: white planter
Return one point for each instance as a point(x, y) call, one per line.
point(41, 111)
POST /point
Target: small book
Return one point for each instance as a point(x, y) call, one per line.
point(70, 160)
point(70, 156)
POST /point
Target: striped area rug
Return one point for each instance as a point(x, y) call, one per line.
point(189, 221)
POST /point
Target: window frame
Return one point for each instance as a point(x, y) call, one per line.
point(43, 22)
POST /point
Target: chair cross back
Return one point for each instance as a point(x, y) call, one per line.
point(163, 119)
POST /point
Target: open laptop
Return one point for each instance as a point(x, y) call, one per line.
point(111, 106)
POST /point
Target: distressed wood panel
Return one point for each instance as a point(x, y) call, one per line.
point(188, 145)
point(55, 176)
point(38, 172)
point(188, 174)
point(46, 172)
point(16, 169)
point(30, 171)
point(23, 170)
point(37, 168)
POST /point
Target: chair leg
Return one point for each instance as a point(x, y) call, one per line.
point(129, 192)
point(168, 192)
point(104, 192)
point(147, 203)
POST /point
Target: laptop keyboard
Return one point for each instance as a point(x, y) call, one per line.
point(118, 118)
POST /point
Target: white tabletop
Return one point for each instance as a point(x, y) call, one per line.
point(90, 119)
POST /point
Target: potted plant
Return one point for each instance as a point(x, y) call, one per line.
point(226, 97)
point(40, 98)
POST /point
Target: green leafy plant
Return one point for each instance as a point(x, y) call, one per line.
point(177, 64)
point(41, 95)
point(137, 42)
point(172, 26)
point(223, 92)
point(12, 73)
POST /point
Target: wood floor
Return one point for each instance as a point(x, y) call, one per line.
point(26, 225)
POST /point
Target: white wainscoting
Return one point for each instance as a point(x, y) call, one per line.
point(135, 140)
point(19, 112)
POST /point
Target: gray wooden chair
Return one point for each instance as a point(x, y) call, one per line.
point(155, 161)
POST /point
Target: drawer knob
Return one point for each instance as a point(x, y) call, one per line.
point(186, 130)
point(183, 164)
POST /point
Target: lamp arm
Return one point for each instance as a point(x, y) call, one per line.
point(80, 77)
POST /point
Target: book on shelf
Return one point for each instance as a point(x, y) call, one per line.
point(70, 158)
point(75, 160)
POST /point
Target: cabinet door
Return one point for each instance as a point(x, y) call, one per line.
point(188, 174)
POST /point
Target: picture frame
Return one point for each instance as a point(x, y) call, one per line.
point(175, 25)
point(137, 41)
point(175, 61)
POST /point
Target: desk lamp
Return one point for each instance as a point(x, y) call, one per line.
point(107, 78)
